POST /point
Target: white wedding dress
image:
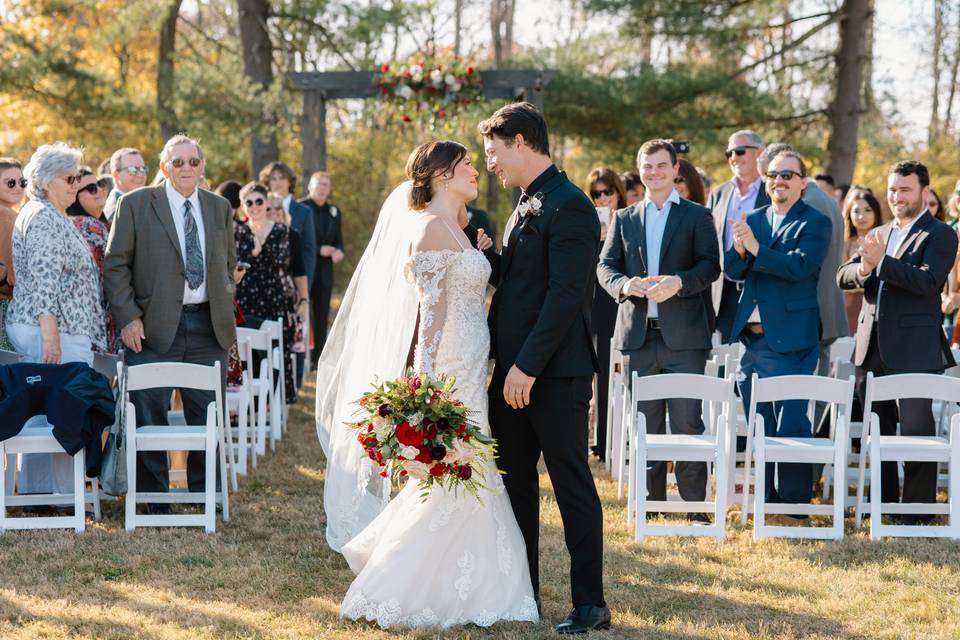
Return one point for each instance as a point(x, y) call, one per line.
point(449, 559)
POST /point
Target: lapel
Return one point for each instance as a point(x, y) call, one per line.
point(639, 213)
point(207, 206)
point(915, 231)
point(789, 219)
point(161, 207)
point(723, 204)
point(673, 221)
point(514, 235)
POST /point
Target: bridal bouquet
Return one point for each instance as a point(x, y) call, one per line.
point(413, 426)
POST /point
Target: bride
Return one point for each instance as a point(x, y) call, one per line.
point(449, 559)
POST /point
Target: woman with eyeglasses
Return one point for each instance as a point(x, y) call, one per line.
point(265, 291)
point(689, 184)
point(606, 190)
point(12, 184)
point(87, 216)
point(56, 314)
point(861, 215)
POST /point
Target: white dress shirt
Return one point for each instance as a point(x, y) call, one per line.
point(286, 202)
point(198, 295)
point(654, 223)
point(775, 220)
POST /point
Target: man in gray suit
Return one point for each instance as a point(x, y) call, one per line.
point(129, 172)
point(658, 262)
point(833, 317)
point(169, 278)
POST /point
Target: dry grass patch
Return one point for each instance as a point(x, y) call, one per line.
point(269, 574)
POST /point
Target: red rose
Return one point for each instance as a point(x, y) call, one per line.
point(405, 118)
point(461, 429)
point(430, 432)
point(383, 474)
point(369, 428)
point(438, 469)
point(384, 68)
point(408, 435)
point(469, 71)
point(424, 456)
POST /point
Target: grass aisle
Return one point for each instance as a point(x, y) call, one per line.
point(269, 574)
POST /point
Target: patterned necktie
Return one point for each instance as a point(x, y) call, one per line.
point(194, 255)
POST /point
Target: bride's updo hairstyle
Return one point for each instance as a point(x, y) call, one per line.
point(427, 161)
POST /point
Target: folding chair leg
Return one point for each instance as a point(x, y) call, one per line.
point(4, 462)
point(875, 492)
point(759, 483)
point(130, 504)
point(954, 491)
point(210, 484)
point(840, 443)
point(640, 476)
point(224, 491)
point(79, 491)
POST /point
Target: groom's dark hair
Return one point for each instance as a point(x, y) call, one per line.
point(518, 118)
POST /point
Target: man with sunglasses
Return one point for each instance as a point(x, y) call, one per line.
point(129, 172)
point(777, 253)
point(169, 276)
point(732, 201)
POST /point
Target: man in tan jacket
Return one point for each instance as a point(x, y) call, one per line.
point(168, 275)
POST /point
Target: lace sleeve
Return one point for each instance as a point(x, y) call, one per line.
point(426, 270)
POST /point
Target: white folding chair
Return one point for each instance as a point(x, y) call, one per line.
point(713, 447)
point(177, 438)
point(775, 449)
point(278, 395)
point(616, 384)
point(261, 388)
point(898, 448)
point(239, 404)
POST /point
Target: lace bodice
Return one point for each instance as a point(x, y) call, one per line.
point(452, 337)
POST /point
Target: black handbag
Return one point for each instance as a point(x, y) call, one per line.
point(113, 471)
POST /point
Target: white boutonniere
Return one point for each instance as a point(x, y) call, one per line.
point(532, 206)
point(333, 211)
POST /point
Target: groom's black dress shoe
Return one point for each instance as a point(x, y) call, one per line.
point(585, 618)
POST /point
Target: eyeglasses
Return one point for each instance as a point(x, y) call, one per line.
point(136, 169)
point(786, 174)
point(74, 179)
point(678, 180)
point(179, 162)
point(270, 207)
point(601, 192)
point(738, 150)
point(254, 203)
point(93, 187)
point(12, 182)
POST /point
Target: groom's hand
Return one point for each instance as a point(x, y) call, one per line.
point(516, 388)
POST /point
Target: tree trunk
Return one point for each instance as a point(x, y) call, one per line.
point(501, 35)
point(457, 25)
point(937, 56)
point(954, 76)
point(869, 98)
point(166, 113)
point(845, 108)
point(258, 65)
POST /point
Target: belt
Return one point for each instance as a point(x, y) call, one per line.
point(755, 327)
point(193, 308)
point(653, 324)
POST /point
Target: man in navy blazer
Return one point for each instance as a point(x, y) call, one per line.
point(658, 262)
point(777, 252)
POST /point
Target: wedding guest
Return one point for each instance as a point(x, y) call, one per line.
point(606, 191)
point(55, 315)
point(295, 281)
point(902, 269)
point(777, 253)
point(935, 205)
point(103, 169)
point(281, 180)
point(707, 183)
point(860, 216)
point(12, 184)
point(732, 201)
point(267, 291)
point(840, 193)
point(689, 184)
point(826, 183)
point(172, 293)
point(129, 172)
point(329, 242)
point(665, 318)
point(230, 190)
point(633, 189)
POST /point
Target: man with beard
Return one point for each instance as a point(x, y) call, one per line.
point(777, 253)
point(902, 267)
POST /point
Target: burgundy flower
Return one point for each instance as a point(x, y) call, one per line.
point(384, 410)
point(443, 424)
point(437, 452)
point(464, 472)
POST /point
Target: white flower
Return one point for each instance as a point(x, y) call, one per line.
point(416, 71)
point(436, 76)
point(450, 79)
point(464, 451)
point(382, 427)
point(404, 91)
point(409, 452)
point(456, 87)
point(416, 470)
point(532, 205)
point(415, 419)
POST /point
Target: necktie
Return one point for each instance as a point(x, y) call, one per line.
point(194, 255)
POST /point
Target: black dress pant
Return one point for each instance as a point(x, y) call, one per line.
point(194, 343)
point(653, 358)
point(319, 316)
point(916, 419)
point(555, 424)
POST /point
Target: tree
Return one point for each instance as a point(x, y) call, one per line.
point(166, 113)
point(258, 65)
point(846, 107)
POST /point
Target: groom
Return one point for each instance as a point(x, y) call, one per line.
point(540, 338)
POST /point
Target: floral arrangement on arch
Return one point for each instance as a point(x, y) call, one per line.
point(428, 88)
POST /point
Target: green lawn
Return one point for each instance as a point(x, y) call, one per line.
point(269, 574)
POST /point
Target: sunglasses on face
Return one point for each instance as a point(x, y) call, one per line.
point(601, 192)
point(179, 162)
point(678, 180)
point(738, 150)
point(72, 180)
point(786, 174)
point(271, 207)
point(93, 187)
point(136, 169)
point(12, 182)
point(254, 203)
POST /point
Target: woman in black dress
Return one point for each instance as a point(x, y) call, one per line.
point(606, 190)
point(265, 291)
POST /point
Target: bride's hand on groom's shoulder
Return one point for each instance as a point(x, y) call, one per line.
point(483, 240)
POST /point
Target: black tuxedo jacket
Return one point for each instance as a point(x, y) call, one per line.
point(329, 231)
point(540, 314)
point(910, 334)
point(689, 249)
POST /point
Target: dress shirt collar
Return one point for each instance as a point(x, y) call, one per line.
point(673, 198)
point(541, 180)
point(287, 201)
point(902, 232)
point(752, 191)
point(176, 200)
